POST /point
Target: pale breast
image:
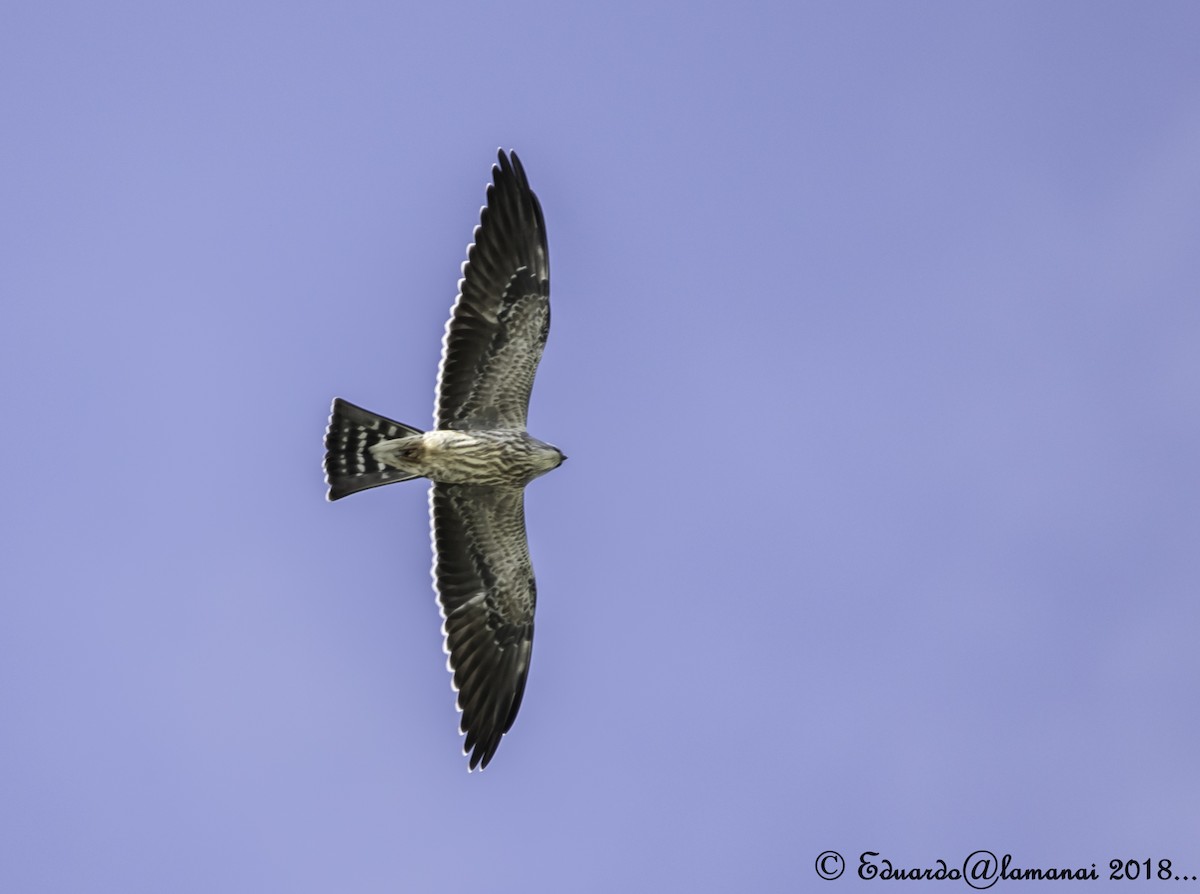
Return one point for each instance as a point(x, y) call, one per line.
point(485, 457)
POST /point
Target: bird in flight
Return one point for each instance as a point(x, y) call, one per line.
point(478, 456)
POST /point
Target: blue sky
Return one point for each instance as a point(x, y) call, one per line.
point(874, 351)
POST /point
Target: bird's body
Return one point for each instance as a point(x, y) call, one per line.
point(501, 457)
point(478, 456)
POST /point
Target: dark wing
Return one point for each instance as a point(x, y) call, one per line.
point(485, 587)
point(498, 326)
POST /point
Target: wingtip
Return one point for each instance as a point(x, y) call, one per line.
point(509, 163)
point(503, 166)
point(477, 758)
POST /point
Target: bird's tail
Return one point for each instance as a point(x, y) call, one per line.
point(352, 432)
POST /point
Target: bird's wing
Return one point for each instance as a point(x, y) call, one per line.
point(485, 587)
point(498, 326)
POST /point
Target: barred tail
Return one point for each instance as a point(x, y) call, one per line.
point(349, 465)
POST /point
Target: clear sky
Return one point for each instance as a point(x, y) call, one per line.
point(876, 354)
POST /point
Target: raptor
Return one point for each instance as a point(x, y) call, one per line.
point(478, 456)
